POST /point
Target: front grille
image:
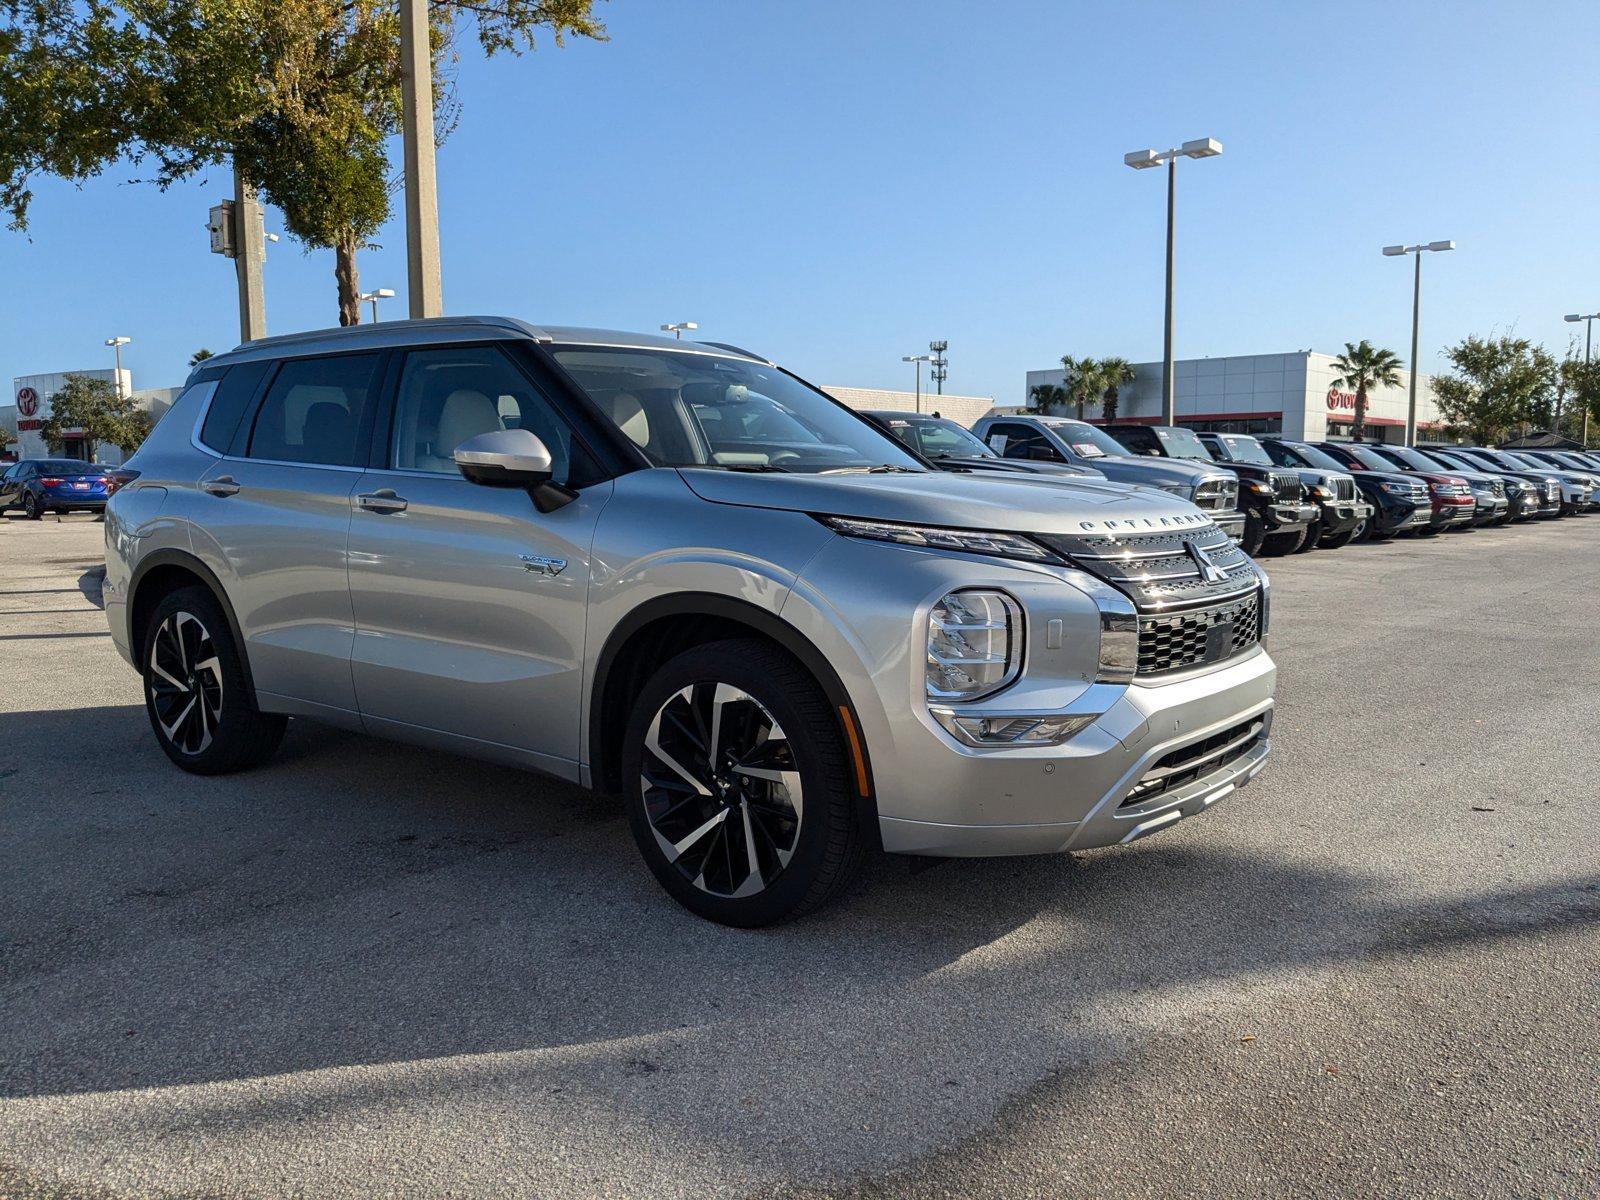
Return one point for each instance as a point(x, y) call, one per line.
point(1344, 488)
point(1196, 637)
point(1498, 487)
point(1197, 760)
point(1452, 489)
point(1160, 571)
point(1288, 489)
point(1217, 495)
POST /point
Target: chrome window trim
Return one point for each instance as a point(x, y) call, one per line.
point(200, 420)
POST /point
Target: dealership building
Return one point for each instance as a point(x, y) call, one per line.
point(1289, 394)
point(30, 406)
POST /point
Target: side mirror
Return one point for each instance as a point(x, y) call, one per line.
point(512, 458)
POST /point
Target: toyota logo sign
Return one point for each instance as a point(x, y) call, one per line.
point(27, 401)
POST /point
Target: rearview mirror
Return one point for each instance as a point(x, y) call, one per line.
point(512, 458)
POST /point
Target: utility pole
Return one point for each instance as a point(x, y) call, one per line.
point(249, 253)
point(422, 195)
point(1588, 320)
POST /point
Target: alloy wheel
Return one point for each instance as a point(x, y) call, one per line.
point(185, 682)
point(721, 789)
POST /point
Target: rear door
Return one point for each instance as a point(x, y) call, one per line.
point(470, 604)
point(273, 517)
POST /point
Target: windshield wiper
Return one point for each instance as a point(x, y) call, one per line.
point(754, 468)
point(891, 469)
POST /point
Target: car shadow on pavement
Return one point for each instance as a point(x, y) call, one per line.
point(359, 903)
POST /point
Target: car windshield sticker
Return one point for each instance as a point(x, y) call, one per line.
point(1088, 450)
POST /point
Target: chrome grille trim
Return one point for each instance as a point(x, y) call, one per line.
point(1158, 572)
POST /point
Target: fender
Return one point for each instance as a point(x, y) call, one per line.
point(709, 604)
point(171, 557)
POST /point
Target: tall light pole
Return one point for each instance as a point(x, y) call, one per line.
point(677, 327)
point(919, 359)
point(1416, 312)
point(941, 365)
point(373, 297)
point(1588, 320)
point(1141, 160)
point(116, 344)
point(423, 280)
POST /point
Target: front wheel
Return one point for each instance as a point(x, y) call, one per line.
point(1333, 541)
point(200, 706)
point(739, 788)
point(1255, 532)
point(1313, 537)
point(1283, 543)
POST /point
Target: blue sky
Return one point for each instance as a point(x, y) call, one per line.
point(834, 184)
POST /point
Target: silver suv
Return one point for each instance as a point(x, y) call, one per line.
point(676, 572)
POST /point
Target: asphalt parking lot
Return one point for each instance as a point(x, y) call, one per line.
point(367, 970)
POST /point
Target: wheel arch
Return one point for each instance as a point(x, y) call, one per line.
point(666, 626)
point(163, 572)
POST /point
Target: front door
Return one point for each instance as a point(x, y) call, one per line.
point(273, 517)
point(470, 604)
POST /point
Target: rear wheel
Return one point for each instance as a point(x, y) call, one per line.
point(738, 785)
point(200, 706)
point(30, 507)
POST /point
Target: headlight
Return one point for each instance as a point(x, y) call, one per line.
point(1264, 488)
point(1178, 489)
point(1398, 489)
point(974, 644)
point(932, 537)
point(1322, 493)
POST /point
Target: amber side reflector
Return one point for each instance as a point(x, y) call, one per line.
point(855, 750)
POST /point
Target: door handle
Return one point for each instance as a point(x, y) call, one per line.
point(222, 485)
point(381, 501)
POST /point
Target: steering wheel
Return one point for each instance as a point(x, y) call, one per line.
point(783, 456)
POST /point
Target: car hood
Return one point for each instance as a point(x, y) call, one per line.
point(1036, 504)
point(1158, 472)
point(1019, 466)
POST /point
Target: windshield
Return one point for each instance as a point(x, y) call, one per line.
point(1183, 443)
point(1411, 458)
point(688, 409)
point(1526, 464)
point(937, 439)
point(1312, 457)
point(1086, 440)
point(1245, 449)
point(1371, 459)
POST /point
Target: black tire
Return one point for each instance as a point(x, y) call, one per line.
point(1277, 544)
point(1313, 538)
point(770, 691)
point(1255, 532)
point(203, 713)
point(1333, 541)
point(1428, 531)
point(30, 507)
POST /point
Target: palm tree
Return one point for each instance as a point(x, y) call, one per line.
point(1115, 372)
point(199, 356)
point(1363, 367)
point(1046, 397)
point(1085, 379)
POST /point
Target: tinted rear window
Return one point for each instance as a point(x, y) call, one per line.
point(68, 466)
point(315, 410)
point(234, 393)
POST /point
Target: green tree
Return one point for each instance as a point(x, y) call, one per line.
point(1579, 386)
point(1364, 367)
point(199, 356)
point(1084, 380)
point(1497, 385)
point(1047, 398)
point(303, 96)
point(100, 411)
point(1115, 372)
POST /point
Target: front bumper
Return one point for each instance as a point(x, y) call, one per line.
point(1401, 517)
point(1071, 797)
point(1491, 508)
point(1338, 516)
point(1231, 523)
point(1290, 516)
point(1448, 516)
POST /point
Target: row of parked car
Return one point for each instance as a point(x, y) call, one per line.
point(1277, 495)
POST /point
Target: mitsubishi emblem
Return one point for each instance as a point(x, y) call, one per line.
point(1209, 571)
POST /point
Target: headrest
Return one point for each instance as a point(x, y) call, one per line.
point(465, 414)
point(630, 417)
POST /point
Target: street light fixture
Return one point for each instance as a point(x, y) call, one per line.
point(373, 297)
point(116, 344)
point(1588, 340)
point(676, 328)
point(919, 359)
point(1141, 160)
point(1416, 307)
